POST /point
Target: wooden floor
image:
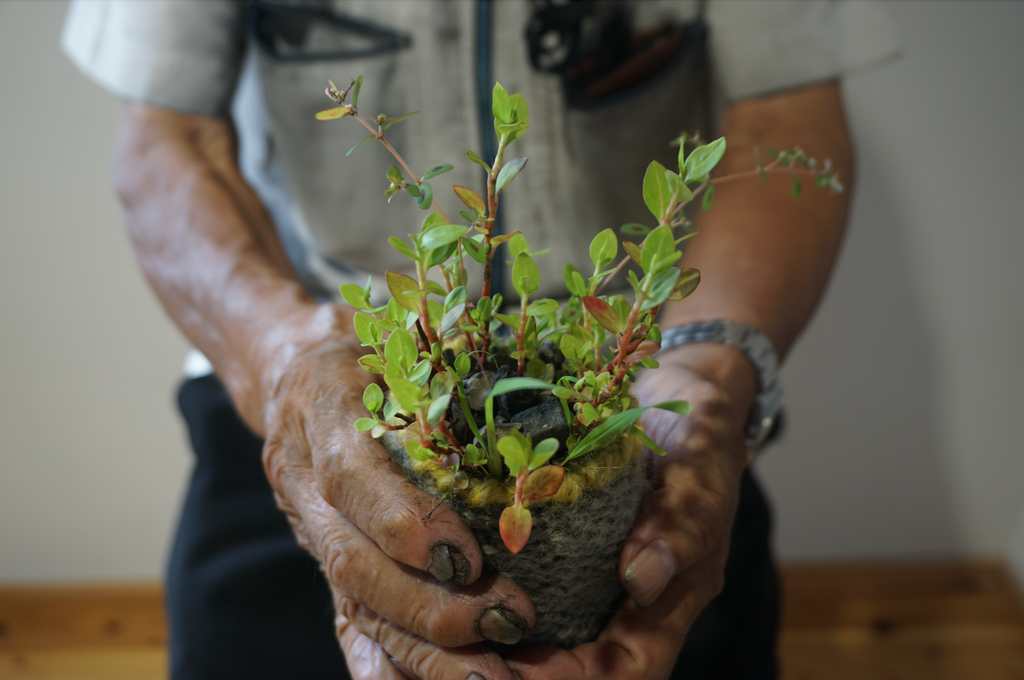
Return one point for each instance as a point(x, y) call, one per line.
point(841, 622)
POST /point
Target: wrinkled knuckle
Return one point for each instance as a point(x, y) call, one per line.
point(391, 521)
point(275, 461)
point(430, 621)
point(427, 661)
point(326, 474)
point(339, 562)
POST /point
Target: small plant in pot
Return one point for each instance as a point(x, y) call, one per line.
point(522, 420)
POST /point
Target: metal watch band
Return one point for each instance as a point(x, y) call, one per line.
point(757, 348)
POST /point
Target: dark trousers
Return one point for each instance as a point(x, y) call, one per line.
point(244, 601)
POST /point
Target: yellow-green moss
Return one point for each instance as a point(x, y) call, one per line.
point(590, 472)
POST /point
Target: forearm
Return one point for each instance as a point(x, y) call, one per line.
point(208, 248)
point(764, 256)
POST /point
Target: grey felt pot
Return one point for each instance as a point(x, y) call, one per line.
point(570, 565)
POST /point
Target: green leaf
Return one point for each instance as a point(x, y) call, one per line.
point(709, 195)
point(606, 432)
point(567, 273)
point(603, 249)
point(413, 190)
point(515, 526)
point(400, 286)
point(367, 329)
point(451, 317)
point(332, 114)
point(442, 235)
point(395, 175)
point(603, 312)
point(680, 192)
point(650, 443)
point(436, 170)
point(441, 385)
point(373, 397)
point(658, 246)
point(542, 307)
point(479, 161)
point(662, 285)
point(417, 451)
point(703, 159)
point(349, 152)
point(542, 452)
point(474, 249)
point(633, 250)
point(425, 197)
point(457, 296)
point(517, 243)
point(511, 449)
point(355, 90)
point(525, 275)
point(400, 349)
point(354, 295)
point(471, 199)
point(372, 363)
point(365, 424)
point(520, 111)
point(508, 173)
point(437, 408)
point(634, 229)
point(420, 373)
point(543, 482)
point(512, 384)
point(408, 393)
point(390, 409)
point(501, 105)
point(401, 246)
point(797, 185)
point(399, 120)
point(657, 193)
point(463, 364)
point(678, 407)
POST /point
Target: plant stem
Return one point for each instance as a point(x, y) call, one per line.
point(521, 335)
point(379, 136)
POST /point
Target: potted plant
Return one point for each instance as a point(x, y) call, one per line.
point(522, 420)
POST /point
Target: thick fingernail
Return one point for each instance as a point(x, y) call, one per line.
point(441, 566)
point(501, 625)
point(475, 676)
point(447, 563)
point(649, 572)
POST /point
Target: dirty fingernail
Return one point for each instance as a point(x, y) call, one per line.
point(649, 572)
point(441, 566)
point(499, 625)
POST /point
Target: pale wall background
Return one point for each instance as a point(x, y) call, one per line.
point(904, 396)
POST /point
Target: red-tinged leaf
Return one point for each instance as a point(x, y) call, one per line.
point(400, 285)
point(515, 525)
point(633, 250)
point(603, 312)
point(645, 350)
point(543, 482)
point(471, 199)
point(331, 114)
point(687, 283)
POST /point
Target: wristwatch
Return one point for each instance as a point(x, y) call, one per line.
point(758, 349)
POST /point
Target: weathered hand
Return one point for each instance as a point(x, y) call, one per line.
point(356, 512)
point(673, 561)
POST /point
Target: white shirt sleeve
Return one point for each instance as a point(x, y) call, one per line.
point(178, 54)
point(762, 46)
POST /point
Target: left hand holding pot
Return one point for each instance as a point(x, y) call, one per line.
point(673, 562)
